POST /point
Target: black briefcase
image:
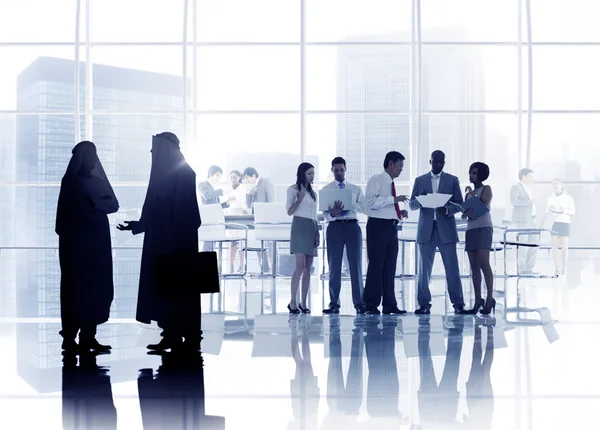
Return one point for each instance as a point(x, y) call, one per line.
point(187, 273)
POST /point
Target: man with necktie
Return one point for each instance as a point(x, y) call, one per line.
point(382, 207)
point(343, 231)
point(437, 230)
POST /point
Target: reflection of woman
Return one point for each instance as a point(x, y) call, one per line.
point(237, 204)
point(304, 241)
point(480, 395)
point(564, 205)
point(86, 284)
point(304, 388)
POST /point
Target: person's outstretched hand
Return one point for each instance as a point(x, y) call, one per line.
point(126, 226)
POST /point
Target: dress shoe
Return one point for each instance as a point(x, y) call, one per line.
point(374, 311)
point(70, 346)
point(93, 345)
point(360, 311)
point(303, 309)
point(293, 311)
point(166, 343)
point(460, 310)
point(393, 311)
point(330, 311)
point(423, 310)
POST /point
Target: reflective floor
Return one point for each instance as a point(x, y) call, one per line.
point(531, 366)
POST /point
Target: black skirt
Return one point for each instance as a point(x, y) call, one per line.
point(479, 238)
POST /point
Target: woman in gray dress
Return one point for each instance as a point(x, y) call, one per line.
point(304, 241)
point(478, 241)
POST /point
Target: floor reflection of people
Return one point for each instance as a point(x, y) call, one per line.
point(344, 399)
point(480, 394)
point(438, 403)
point(87, 400)
point(383, 386)
point(304, 388)
point(174, 397)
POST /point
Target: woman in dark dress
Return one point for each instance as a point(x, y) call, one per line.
point(86, 286)
point(170, 221)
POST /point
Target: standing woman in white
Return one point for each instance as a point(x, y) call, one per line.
point(562, 203)
point(304, 241)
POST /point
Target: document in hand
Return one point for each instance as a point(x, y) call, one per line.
point(476, 204)
point(435, 200)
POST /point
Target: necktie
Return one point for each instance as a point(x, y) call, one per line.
point(342, 186)
point(396, 205)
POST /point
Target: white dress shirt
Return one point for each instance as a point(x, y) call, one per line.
point(435, 186)
point(379, 201)
point(357, 201)
point(565, 202)
point(307, 207)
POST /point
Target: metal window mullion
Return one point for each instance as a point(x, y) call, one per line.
point(76, 79)
point(184, 109)
point(89, 74)
point(419, 76)
point(194, 70)
point(302, 80)
point(519, 83)
point(530, 81)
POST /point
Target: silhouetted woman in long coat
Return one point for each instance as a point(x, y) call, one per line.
point(86, 285)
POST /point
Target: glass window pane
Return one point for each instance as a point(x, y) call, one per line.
point(138, 79)
point(363, 140)
point(358, 78)
point(491, 138)
point(39, 21)
point(137, 21)
point(566, 77)
point(240, 78)
point(564, 146)
point(469, 77)
point(269, 143)
point(565, 20)
point(469, 20)
point(358, 20)
point(31, 74)
point(249, 21)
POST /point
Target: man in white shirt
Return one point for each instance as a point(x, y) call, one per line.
point(437, 230)
point(382, 207)
point(343, 231)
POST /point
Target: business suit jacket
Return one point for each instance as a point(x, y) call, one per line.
point(449, 184)
point(522, 205)
point(263, 192)
point(208, 194)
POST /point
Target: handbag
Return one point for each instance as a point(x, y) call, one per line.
point(187, 273)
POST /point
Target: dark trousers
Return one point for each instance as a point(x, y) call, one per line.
point(70, 328)
point(339, 235)
point(382, 250)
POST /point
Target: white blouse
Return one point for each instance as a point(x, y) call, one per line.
point(307, 207)
point(565, 204)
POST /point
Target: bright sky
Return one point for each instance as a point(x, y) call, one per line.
point(268, 77)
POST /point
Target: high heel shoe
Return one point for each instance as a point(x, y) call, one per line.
point(303, 309)
point(487, 311)
point(476, 308)
point(293, 311)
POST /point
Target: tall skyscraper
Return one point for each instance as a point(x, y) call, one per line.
point(7, 219)
point(43, 150)
point(378, 78)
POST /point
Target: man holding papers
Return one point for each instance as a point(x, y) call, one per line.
point(437, 229)
point(382, 207)
point(343, 231)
